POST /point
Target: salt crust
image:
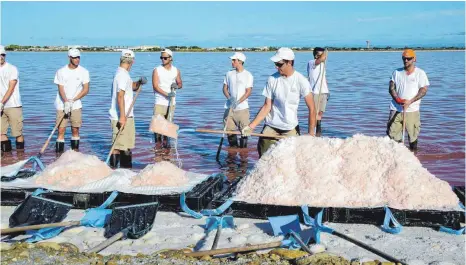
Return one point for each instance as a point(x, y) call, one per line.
point(360, 171)
point(163, 174)
point(74, 169)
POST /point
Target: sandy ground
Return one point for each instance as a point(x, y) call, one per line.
point(177, 230)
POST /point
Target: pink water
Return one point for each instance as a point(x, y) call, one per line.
point(359, 103)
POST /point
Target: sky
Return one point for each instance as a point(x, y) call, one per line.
point(237, 24)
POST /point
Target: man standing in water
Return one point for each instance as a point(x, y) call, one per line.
point(237, 87)
point(10, 104)
point(407, 86)
point(282, 95)
point(122, 98)
point(165, 78)
point(73, 84)
point(317, 77)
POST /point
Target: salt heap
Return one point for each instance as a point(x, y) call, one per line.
point(361, 171)
point(74, 169)
point(161, 174)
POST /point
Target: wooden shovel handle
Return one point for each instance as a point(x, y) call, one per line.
point(238, 133)
point(106, 243)
point(50, 136)
point(6, 231)
point(233, 250)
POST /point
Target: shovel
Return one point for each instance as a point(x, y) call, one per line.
point(132, 221)
point(41, 152)
point(223, 135)
point(94, 217)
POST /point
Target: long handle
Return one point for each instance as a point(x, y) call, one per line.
point(217, 236)
point(6, 231)
point(223, 135)
point(233, 250)
point(238, 133)
point(404, 125)
point(106, 243)
point(50, 136)
point(121, 128)
point(170, 113)
point(367, 247)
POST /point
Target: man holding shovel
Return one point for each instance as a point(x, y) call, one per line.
point(10, 104)
point(73, 84)
point(123, 121)
point(317, 77)
point(237, 87)
point(407, 86)
point(166, 78)
point(282, 95)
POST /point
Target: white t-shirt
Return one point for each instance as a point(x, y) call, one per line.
point(121, 81)
point(237, 84)
point(72, 81)
point(314, 73)
point(407, 87)
point(166, 79)
point(9, 72)
point(285, 94)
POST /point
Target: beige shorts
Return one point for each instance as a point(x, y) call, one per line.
point(127, 137)
point(323, 101)
point(13, 117)
point(75, 117)
point(163, 110)
point(238, 119)
point(395, 125)
point(265, 143)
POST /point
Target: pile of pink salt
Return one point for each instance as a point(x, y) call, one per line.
point(360, 171)
point(163, 174)
point(73, 170)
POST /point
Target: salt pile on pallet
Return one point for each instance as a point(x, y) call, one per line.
point(361, 171)
point(163, 174)
point(74, 169)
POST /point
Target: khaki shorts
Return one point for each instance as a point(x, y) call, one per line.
point(323, 101)
point(75, 117)
point(265, 143)
point(13, 117)
point(127, 137)
point(238, 119)
point(163, 110)
point(395, 125)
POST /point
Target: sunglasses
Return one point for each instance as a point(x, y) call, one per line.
point(77, 57)
point(3, 54)
point(164, 58)
point(279, 65)
point(407, 58)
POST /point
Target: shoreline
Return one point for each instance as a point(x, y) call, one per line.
point(297, 51)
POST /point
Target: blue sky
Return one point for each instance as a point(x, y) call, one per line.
point(238, 24)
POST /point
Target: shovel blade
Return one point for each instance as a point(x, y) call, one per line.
point(138, 219)
point(162, 126)
point(36, 210)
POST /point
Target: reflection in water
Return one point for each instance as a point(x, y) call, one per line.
point(359, 103)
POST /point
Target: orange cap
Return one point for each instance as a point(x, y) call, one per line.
point(408, 53)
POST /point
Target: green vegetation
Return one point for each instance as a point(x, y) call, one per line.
point(14, 47)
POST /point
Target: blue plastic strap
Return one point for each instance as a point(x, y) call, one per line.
point(315, 223)
point(39, 191)
point(461, 206)
point(222, 208)
point(109, 200)
point(186, 209)
point(212, 222)
point(397, 227)
point(37, 163)
point(452, 231)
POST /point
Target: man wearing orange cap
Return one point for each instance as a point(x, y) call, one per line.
point(407, 86)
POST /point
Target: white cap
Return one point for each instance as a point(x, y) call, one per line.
point(127, 53)
point(239, 56)
point(283, 54)
point(74, 52)
point(2, 50)
point(167, 51)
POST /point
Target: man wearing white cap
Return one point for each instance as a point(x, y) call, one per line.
point(165, 78)
point(73, 84)
point(237, 87)
point(282, 95)
point(10, 104)
point(122, 98)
